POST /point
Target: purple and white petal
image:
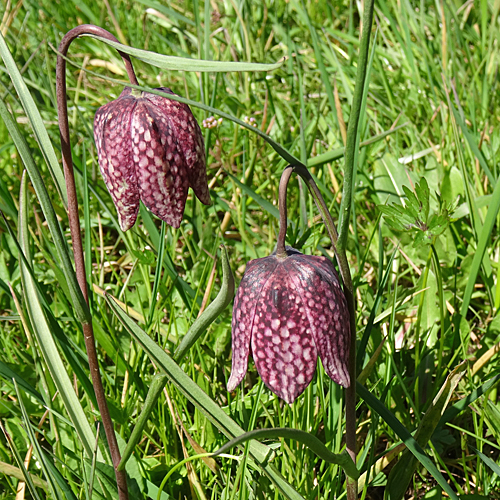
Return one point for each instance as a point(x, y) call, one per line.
point(160, 168)
point(326, 308)
point(189, 137)
point(113, 141)
point(247, 297)
point(282, 344)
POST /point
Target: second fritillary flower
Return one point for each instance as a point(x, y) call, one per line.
point(290, 308)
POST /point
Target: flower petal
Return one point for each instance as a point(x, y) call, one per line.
point(189, 137)
point(112, 138)
point(160, 168)
point(282, 344)
point(247, 298)
point(326, 308)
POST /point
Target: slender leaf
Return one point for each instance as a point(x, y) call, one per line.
point(45, 339)
point(406, 437)
point(482, 244)
point(306, 438)
point(186, 64)
point(81, 308)
point(36, 120)
point(212, 312)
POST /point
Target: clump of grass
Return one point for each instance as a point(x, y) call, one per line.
point(423, 310)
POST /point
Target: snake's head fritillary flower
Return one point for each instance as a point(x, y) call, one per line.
point(150, 148)
point(290, 309)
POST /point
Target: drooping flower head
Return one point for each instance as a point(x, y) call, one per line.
point(150, 148)
point(290, 308)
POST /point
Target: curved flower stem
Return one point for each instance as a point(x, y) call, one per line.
point(285, 177)
point(350, 397)
point(74, 224)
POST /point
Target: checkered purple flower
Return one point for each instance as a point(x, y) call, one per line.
point(150, 148)
point(290, 309)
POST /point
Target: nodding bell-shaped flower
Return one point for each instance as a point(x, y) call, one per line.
point(290, 308)
point(150, 148)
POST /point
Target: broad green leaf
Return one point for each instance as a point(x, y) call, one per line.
point(389, 178)
point(412, 203)
point(423, 194)
point(397, 217)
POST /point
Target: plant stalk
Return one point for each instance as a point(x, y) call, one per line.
point(285, 177)
point(74, 224)
point(352, 128)
point(344, 219)
point(345, 273)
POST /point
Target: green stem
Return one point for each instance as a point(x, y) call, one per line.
point(439, 281)
point(344, 218)
point(352, 129)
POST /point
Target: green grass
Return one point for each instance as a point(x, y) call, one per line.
point(421, 310)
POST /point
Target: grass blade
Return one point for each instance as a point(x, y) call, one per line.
point(36, 121)
point(405, 436)
point(81, 308)
point(25, 476)
point(212, 312)
point(186, 64)
point(44, 336)
point(401, 474)
point(482, 244)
